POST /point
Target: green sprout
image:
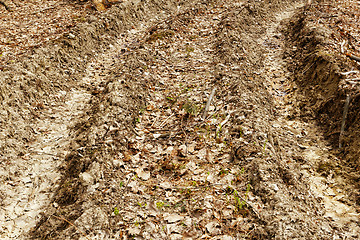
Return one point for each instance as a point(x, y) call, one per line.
point(116, 211)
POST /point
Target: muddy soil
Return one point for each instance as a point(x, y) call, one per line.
point(171, 120)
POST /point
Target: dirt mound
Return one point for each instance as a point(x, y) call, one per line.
point(323, 88)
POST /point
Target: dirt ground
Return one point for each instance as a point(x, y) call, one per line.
point(183, 119)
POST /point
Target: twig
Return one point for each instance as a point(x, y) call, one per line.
point(48, 8)
point(208, 103)
point(44, 153)
point(308, 68)
point(161, 125)
point(342, 47)
point(346, 109)
point(195, 188)
point(63, 219)
point(122, 191)
point(158, 130)
point(134, 131)
point(353, 57)
point(330, 16)
point(352, 79)
point(349, 72)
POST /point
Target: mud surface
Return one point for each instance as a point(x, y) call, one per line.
point(115, 140)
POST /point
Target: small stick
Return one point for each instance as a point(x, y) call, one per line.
point(346, 109)
point(352, 79)
point(353, 57)
point(308, 68)
point(208, 103)
point(349, 72)
point(122, 190)
point(63, 219)
point(194, 188)
point(342, 47)
point(161, 125)
point(44, 153)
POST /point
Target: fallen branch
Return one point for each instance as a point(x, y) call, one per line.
point(208, 103)
point(162, 124)
point(44, 153)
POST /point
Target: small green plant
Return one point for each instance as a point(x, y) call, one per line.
point(171, 99)
point(121, 184)
point(223, 172)
point(191, 108)
point(189, 49)
point(264, 147)
point(248, 188)
point(238, 202)
point(159, 205)
point(160, 35)
point(116, 211)
point(142, 110)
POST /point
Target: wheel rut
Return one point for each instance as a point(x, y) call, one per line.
point(314, 151)
point(133, 151)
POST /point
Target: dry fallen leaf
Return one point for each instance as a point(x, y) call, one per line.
point(171, 218)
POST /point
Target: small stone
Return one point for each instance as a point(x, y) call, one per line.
point(86, 178)
point(27, 180)
point(213, 228)
point(143, 174)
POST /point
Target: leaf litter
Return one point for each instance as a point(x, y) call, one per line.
point(147, 160)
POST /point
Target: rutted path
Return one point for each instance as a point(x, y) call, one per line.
point(239, 171)
point(29, 182)
point(330, 190)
